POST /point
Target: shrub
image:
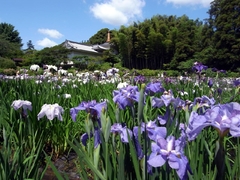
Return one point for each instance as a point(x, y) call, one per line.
point(148, 72)
point(105, 66)
point(9, 72)
point(172, 73)
point(118, 65)
point(73, 71)
point(7, 63)
point(39, 72)
point(34, 73)
point(92, 66)
point(233, 74)
point(1, 71)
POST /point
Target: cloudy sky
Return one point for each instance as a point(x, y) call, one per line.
point(50, 22)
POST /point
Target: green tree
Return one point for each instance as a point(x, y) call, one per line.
point(110, 57)
point(185, 41)
point(125, 46)
point(9, 33)
point(30, 45)
point(29, 57)
point(100, 37)
point(140, 46)
point(8, 49)
point(155, 49)
point(224, 19)
point(6, 63)
point(53, 55)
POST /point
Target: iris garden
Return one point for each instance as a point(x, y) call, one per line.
point(140, 128)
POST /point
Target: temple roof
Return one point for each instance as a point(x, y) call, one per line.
point(89, 48)
point(96, 48)
point(78, 46)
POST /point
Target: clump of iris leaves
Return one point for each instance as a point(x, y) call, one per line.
point(152, 128)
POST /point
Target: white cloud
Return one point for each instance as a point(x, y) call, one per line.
point(118, 12)
point(51, 32)
point(46, 43)
point(204, 3)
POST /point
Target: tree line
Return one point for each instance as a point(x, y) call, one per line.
point(170, 42)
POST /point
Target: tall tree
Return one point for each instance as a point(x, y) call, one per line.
point(100, 37)
point(30, 45)
point(53, 55)
point(140, 46)
point(8, 49)
point(224, 18)
point(9, 33)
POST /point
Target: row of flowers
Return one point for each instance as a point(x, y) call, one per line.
point(225, 118)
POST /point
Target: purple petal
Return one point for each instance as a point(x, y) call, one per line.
point(173, 161)
point(138, 148)
point(183, 165)
point(157, 102)
point(84, 139)
point(157, 160)
point(97, 138)
point(124, 135)
point(196, 124)
point(156, 133)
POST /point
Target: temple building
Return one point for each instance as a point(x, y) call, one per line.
point(79, 49)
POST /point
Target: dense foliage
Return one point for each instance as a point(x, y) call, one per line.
point(6, 63)
point(224, 23)
point(53, 55)
point(100, 37)
point(8, 32)
point(170, 42)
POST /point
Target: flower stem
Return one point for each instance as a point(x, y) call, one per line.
point(220, 160)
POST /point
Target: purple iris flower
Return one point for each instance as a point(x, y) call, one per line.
point(223, 117)
point(178, 103)
point(219, 91)
point(182, 140)
point(139, 79)
point(153, 88)
point(126, 96)
point(25, 105)
point(236, 82)
point(199, 67)
point(168, 80)
point(163, 119)
point(165, 99)
point(122, 130)
point(97, 137)
point(157, 102)
point(210, 83)
point(204, 101)
point(153, 132)
point(168, 150)
point(216, 70)
point(91, 107)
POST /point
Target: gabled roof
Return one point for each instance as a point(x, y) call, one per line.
point(88, 48)
point(78, 46)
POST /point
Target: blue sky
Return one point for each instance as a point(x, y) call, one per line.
point(50, 22)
